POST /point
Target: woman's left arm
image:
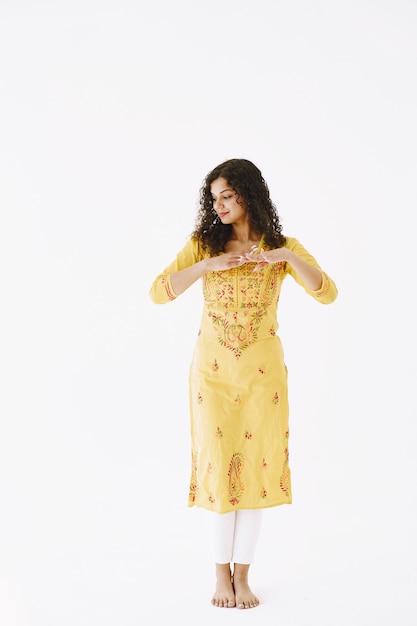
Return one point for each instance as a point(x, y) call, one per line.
point(310, 275)
point(302, 266)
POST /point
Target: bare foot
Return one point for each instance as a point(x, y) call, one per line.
point(224, 595)
point(244, 597)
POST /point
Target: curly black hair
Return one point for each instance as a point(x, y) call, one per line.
point(247, 182)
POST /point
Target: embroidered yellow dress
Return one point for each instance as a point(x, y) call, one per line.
point(238, 383)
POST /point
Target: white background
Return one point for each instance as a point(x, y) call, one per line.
point(111, 115)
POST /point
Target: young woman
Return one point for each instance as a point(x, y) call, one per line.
point(238, 377)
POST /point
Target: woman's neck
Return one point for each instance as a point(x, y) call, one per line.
point(244, 235)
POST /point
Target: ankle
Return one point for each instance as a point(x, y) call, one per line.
point(223, 570)
point(241, 573)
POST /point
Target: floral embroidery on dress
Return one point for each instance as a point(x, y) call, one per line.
point(284, 481)
point(248, 435)
point(199, 398)
point(215, 366)
point(275, 399)
point(236, 486)
point(219, 433)
point(235, 336)
point(241, 297)
point(263, 492)
point(193, 481)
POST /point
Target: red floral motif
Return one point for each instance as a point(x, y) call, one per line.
point(275, 399)
point(263, 493)
point(199, 398)
point(248, 435)
point(219, 433)
point(215, 366)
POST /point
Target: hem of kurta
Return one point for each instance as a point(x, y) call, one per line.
point(239, 508)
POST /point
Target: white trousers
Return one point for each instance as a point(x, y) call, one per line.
point(234, 535)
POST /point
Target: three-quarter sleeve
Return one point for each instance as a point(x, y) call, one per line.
point(328, 290)
point(161, 290)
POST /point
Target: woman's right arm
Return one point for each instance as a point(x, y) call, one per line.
point(186, 269)
point(162, 290)
point(182, 279)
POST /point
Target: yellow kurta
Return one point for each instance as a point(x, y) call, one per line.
point(238, 383)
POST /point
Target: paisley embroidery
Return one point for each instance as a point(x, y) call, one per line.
point(194, 489)
point(236, 486)
point(284, 481)
point(236, 336)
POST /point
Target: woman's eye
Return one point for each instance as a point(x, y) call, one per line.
point(226, 197)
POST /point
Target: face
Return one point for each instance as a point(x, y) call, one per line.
point(225, 202)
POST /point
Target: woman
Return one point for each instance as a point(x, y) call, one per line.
point(238, 377)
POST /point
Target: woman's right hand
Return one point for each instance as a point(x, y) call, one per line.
point(226, 261)
point(181, 280)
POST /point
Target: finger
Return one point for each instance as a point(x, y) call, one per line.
point(252, 255)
